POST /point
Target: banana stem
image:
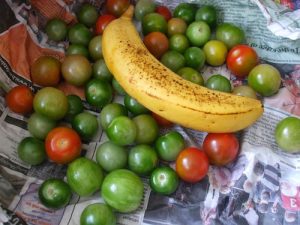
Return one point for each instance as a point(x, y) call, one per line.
point(128, 13)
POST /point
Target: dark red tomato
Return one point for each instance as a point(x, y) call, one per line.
point(19, 99)
point(192, 165)
point(221, 148)
point(102, 22)
point(162, 122)
point(164, 11)
point(157, 43)
point(63, 145)
point(117, 7)
point(241, 59)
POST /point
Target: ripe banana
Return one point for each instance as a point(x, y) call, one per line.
point(166, 93)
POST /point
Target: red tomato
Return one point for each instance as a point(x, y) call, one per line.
point(102, 22)
point(63, 145)
point(117, 7)
point(164, 11)
point(19, 99)
point(241, 59)
point(192, 165)
point(157, 43)
point(161, 121)
point(221, 149)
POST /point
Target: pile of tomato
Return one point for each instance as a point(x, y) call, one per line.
point(184, 40)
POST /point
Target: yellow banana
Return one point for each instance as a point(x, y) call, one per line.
point(166, 93)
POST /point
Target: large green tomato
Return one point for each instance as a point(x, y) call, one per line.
point(51, 103)
point(230, 34)
point(164, 180)
point(39, 125)
point(31, 151)
point(110, 112)
point(264, 79)
point(198, 33)
point(122, 190)
point(154, 22)
point(142, 159)
point(76, 69)
point(122, 131)
point(84, 176)
point(79, 34)
point(56, 29)
point(147, 129)
point(54, 193)
point(287, 134)
point(169, 145)
point(98, 214)
point(98, 92)
point(111, 156)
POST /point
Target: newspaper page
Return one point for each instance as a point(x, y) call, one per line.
point(261, 187)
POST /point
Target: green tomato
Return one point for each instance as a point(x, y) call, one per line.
point(77, 49)
point(54, 193)
point(154, 22)
point(215, 52)
point(111, 156)
point(134, 106)
point(198, 33)
point(142, 159)
point(244, 90)
point(208, 14)
point(39, 125)
point(219, 83)
point(169, 145)
point(122, 190)
point(176, 26)
point(98, 214)
point(117, 87)
point(264, 79)
point(75, 107)
point(230, 34)
point(164, 180)
point(143, 7)
point(173, 60)
point(84, 176)
point(76, 69)
point(95, 47)
point(195, 57)
point(287, 134)
point(51, 102)
point(110, 112)
point(86, 125)
point(122, 131)
point(98, 92)
point(185, 11)
point(87, 15)
point(31, 151)
point(79, 34)
point(178, 42)
point(147, 129)
point(56, 29)
point(191, 74)
point(100, 71)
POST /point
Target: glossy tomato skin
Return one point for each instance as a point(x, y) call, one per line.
point(117, 7)
point(19, 99)
point(164, 11)
point(241, 59)
point(45, 71)
point(102, 22)
point(63, 145)
point(157, 43)
point(221, 148)
point(192, 165)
